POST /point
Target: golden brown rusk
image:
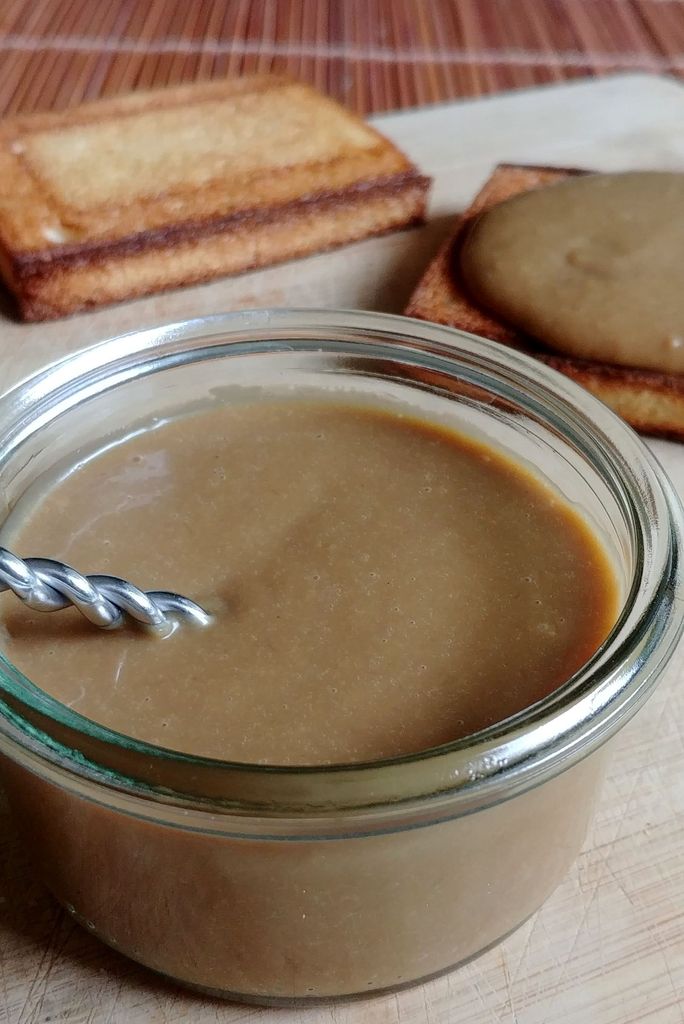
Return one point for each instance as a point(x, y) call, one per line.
point(592, 262)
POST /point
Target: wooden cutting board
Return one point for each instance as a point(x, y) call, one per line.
point(608, 946)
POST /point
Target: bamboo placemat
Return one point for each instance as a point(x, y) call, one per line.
point(373, 55)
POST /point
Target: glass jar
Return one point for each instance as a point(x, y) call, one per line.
point(281, 885)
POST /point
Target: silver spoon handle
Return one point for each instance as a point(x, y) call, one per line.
point(46, 586)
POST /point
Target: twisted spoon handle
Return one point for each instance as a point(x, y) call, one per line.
point(47, 586)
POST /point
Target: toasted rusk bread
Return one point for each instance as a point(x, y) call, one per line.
point(652, 402)
point(122, 197)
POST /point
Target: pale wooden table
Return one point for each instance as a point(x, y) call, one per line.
point(608, 946)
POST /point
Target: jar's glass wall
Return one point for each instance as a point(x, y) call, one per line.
point(289, 919)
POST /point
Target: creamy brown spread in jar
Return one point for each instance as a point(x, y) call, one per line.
point(380, 585)
point(402, 538)
point(591, 266)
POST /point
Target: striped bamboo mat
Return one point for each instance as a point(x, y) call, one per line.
point(371, 54)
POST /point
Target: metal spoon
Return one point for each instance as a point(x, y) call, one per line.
point(46, 586)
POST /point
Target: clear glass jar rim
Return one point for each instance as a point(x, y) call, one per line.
point(37, 730)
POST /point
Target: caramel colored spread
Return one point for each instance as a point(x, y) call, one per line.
point(379, 585)
point(590, 266)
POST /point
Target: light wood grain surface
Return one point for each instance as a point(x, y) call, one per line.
point(608, 946)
